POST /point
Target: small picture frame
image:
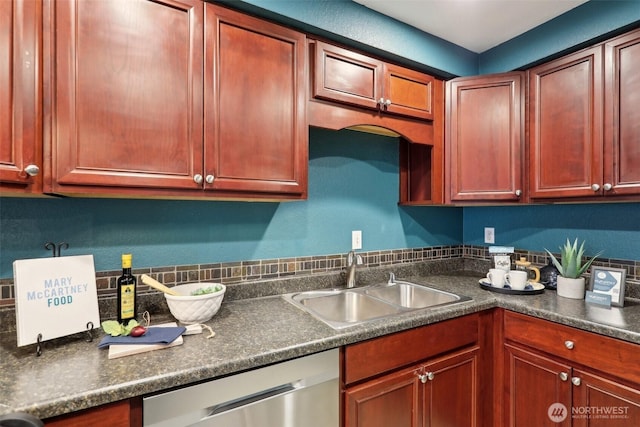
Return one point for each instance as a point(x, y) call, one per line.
point(609, 281)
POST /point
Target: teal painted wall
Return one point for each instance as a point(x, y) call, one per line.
point(613, 228)
point(353, 185)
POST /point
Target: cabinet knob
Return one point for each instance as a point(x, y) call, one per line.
point(595, 187)
point(569, 344)
point(381, 102)
point(197, 178)
point(387, 102)
point(518, 193)
point(32, 170)
point(209, 179)
point(576, 381)
point(563, 376)
point(607, 186)
point(429, 376)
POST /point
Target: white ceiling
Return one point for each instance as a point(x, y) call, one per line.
point(477, 25)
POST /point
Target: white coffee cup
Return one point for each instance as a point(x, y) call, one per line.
point(517, 279)
point(496, 277)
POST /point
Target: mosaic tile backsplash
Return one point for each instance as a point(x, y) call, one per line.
point(260, 270)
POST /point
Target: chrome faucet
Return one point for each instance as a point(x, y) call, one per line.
point(353, 260)
point(392, 279)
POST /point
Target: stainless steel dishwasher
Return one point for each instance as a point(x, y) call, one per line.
point(303, 392)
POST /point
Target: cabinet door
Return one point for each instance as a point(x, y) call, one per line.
point(20, 93)
point(345, 76)
point(485, 138)
point(598, 401)
point(565, 123)
point(408, 92)
point(392, 400)
point(256, 134)
point(127, 94)
point(622, 136)
point(533, 384)
point(451, 391)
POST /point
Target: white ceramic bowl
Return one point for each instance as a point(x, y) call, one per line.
point(195, 309)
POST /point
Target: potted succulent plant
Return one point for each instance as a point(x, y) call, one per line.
point(570, 269)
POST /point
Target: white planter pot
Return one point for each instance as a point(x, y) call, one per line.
point(571, 288)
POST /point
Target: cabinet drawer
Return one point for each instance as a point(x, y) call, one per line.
point(609, 355)
point(344, 76)
point(379, 355)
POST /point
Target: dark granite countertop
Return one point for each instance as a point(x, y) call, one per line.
point(75, 374)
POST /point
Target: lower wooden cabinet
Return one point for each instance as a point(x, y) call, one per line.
point(533, 385)
point(423, 377)
point(442, 392)
point(543, 388)
point(390, 400)
point(125, 413)
point(599, 401)
point(451, 390)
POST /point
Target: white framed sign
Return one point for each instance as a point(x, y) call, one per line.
point(55, 297)
point(607, 284)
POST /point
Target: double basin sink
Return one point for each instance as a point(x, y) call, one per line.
point(340, 308)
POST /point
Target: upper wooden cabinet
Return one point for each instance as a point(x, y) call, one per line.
point(484, 139)
point(622, 115)
point(352, 90)
point(126, 95)
point(143, 105)
point(565, 125)
point(583, 122)
point(20, 96)
point(256, 132)
point(349, 77)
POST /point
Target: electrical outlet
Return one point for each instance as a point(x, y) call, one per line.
point(356, 240)
point(489, 235)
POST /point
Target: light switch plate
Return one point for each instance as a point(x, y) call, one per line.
point(489, 235)
point(356, 240)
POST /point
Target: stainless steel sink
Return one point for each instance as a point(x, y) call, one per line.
point(344, 307)
point(340, 308)
point(410, 295)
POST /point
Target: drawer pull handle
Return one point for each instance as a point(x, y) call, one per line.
point(576, 381)
point(563, 376)
point(569, 344)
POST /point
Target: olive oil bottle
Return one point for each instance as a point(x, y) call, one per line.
point(126, 286)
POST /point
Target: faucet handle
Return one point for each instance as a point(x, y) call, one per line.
point(392, 279)
point(350, 256)
point(354, 258)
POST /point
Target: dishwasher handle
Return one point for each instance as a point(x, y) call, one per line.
point(247, 400)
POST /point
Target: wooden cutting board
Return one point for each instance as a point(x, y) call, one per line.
point(122, 350)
